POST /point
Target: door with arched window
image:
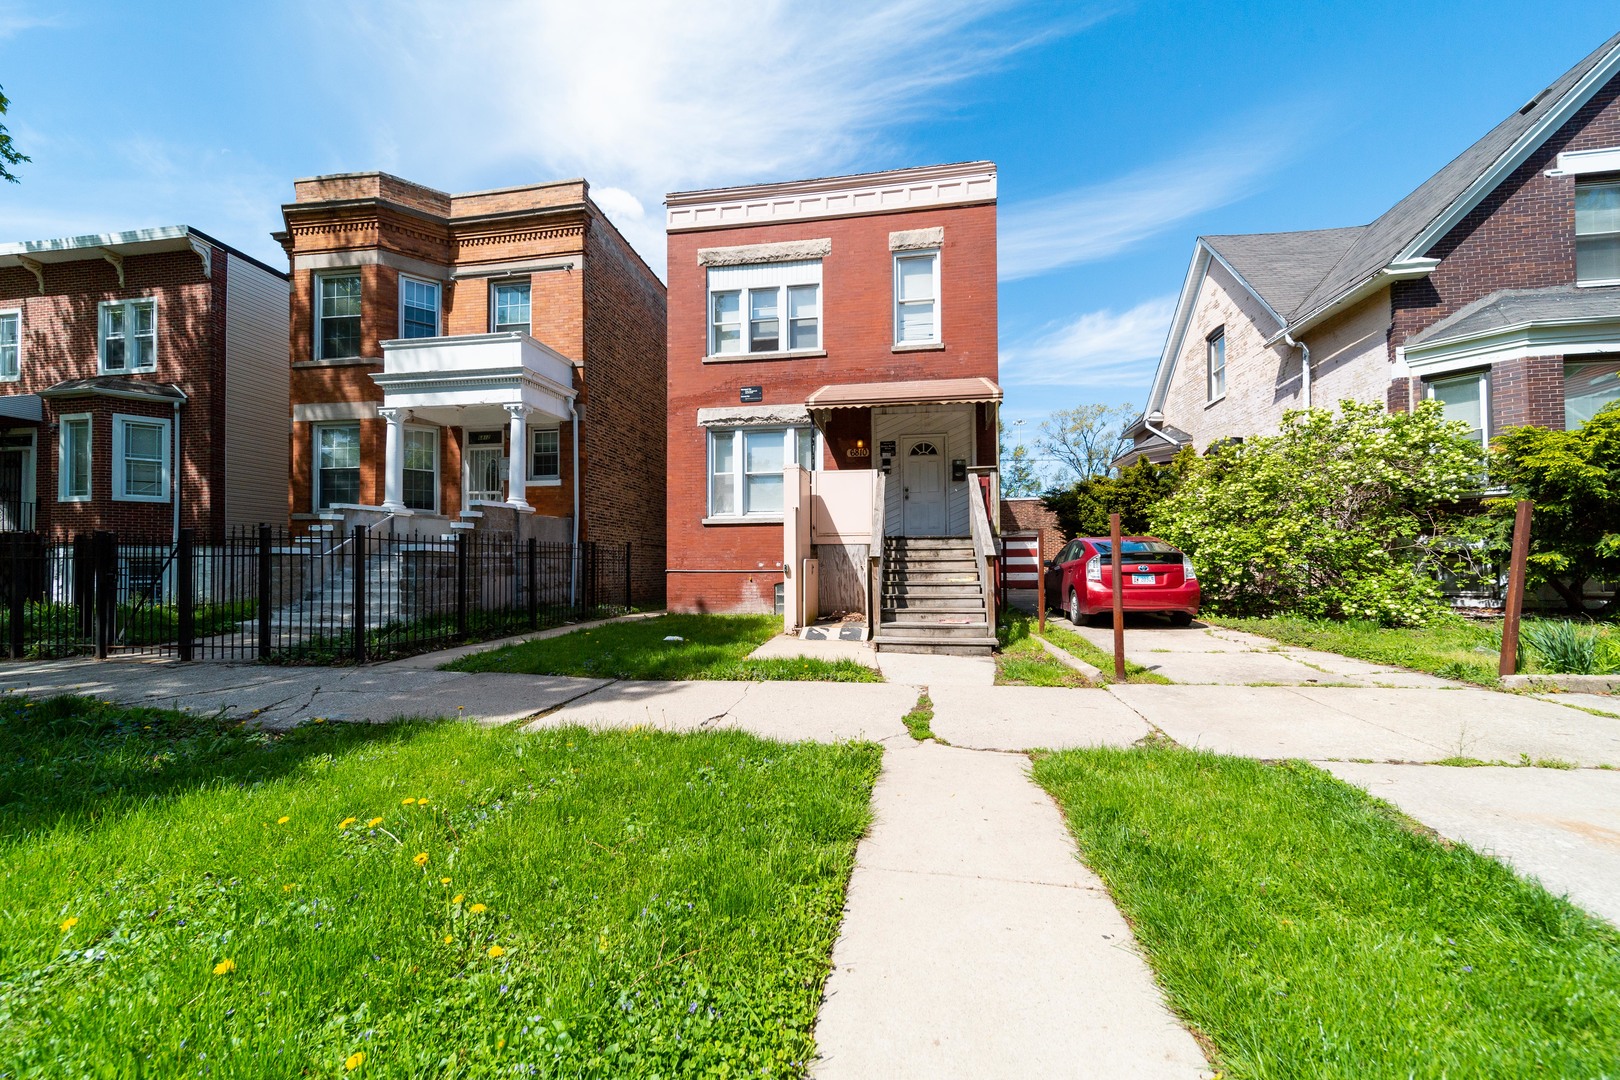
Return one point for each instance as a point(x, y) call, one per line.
point(922, 503)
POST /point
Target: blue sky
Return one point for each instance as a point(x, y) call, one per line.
point(1121, 131)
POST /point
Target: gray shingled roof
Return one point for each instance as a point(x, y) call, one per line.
point(1507, 308)
point(1283, 266)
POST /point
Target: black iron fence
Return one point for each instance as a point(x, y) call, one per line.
point(263, 594)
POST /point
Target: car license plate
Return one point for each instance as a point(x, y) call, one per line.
point(1141, 579)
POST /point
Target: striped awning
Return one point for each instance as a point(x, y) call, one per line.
point(907, 392)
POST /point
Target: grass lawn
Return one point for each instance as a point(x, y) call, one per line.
point(711, 647)
point(1021, 661)
point(1308, 930)
point(1450, 648)
point(424, 899)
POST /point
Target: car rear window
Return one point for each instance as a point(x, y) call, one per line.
point(1135, 547)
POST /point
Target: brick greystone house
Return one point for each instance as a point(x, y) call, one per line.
point(142, 386)
point(822, 332)
point(1494, 288)
point(486, 361)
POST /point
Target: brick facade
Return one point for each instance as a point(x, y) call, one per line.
point(1029, 515)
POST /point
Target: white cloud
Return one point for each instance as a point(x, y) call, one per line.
point(1098, 349)
point(16, 18)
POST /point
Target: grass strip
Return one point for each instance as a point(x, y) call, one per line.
point(1020, 660)
point(1019, 625)
point(182, 896)
point(1449, 648)
point(704, 647)
point(1308, 929)
point(920, 719)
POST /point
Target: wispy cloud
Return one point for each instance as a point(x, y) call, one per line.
point(16, 18)
point(1097, 221)
point(1108, 349)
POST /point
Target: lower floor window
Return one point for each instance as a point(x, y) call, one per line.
point(1588, 387)
point(421, 469)
point(545, 454)
point(140, 459)
point(337, 465)
point(746, 467)
point(1462, 398)
point(74, 464)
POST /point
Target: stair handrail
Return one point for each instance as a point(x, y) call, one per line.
point(874, 600)
point(984, 545)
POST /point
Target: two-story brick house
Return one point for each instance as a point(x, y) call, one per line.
point(489, 360)
point(825, 333)
point(1493, 288)
point(143, 385)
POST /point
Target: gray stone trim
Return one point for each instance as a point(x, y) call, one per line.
point(316, 412)
point(917, 239)
point(754, 416)
point(787, 251)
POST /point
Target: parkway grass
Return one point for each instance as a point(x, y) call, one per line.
point(180, 896)
point(1309, 930)
point(707, 647)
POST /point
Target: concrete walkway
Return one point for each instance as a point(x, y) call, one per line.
point(975, 944)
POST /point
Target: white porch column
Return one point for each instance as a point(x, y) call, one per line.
point(517, 467)
point(394, 460)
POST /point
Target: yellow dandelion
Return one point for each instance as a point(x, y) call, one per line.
point(421, 802)
point(496, 952)
point(224, 967)
point(477, 909)
point(407, 802)
point(320, 719)
point(449, 939)
point(354, 1060)
point(374, 822)
point(346, 822)
point(283, 819)
point(420, 859)
point(500, 1044)
point(456, 899)
point(69, 923)
point(444, 881)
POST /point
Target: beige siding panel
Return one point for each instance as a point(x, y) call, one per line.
point(952, 422)
point(1350, 354)
point(258, 411)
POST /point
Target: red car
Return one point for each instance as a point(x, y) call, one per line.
point(1080, 581)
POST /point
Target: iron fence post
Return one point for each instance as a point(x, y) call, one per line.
point(105, 547)
point(461, 585)
point(264, 592)
point(627, 565)
point(534, 585)
point(185, 593)
point(84, 584)
point(358, 554)
point(16, 597)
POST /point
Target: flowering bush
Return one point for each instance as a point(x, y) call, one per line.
point(1324, 518)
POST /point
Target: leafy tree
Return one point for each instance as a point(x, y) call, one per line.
point(1086, 439)
point(1083, 509)
point(1019, 477)
point(1329, 517)
point(9, 154)
point(1574, 479)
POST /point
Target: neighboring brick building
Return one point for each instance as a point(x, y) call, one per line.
point(1493, 288)
point(488, 360)
point(837, 324)
point(143, 385)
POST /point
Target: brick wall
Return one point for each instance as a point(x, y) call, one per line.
point(1528, 390)
point(1026, 515)
point(1398, 397)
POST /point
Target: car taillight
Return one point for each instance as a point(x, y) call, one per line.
point(1187, 571)
point(1094, 568)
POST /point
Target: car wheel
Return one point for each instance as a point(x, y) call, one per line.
point(1180, 618)
point(1074, 608)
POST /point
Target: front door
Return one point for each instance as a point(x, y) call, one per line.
point(923, 494)
point(16, 483)
point(486, 469)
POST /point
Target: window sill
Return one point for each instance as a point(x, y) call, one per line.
point(917, 346)
point(124, 371)
point(739, 358)
point(345, 361)
point(1605, 283)
point(763, 519)
point(555, 481)
point(141, 498)
point(1212, 402)
point(73, 498)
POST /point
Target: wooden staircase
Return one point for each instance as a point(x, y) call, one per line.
point(933, 598)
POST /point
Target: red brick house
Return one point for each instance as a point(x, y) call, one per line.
point(142, 385)
point(489, 360)
point(1493, 288)
point(832, 352)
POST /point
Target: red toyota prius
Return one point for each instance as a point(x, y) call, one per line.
point(1080, 581)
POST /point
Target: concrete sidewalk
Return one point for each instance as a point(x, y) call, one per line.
point(975, 944)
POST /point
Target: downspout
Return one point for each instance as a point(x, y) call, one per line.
point(1165, 435)
point(174, 485)
point(1304, 369)
point(573, 416)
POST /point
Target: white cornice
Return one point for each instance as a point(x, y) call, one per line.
point(1545, 338)
point(837, 196)
point(1583, 162)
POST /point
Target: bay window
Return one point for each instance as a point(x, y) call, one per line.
point(765, 308)
point(746, 468)
point(1597, 233)
point(128, 336)
point(1463, 398)
point(1588, 386)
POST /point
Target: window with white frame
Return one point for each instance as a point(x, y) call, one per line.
point(1589, 385)
point(1215, 365)
point(337, 464)
point(73, 459)
point(765, 308)
point(746, 465)
point(337, 316)
point(1463, 398)
point(545, 455)
point(128, 336)
point(510, 303)
point(916, 298)
point(422, 468)
point(1597, 233)
point(418, 308)
point(10, 345)
point(140, 470)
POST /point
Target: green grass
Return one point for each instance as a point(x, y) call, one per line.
point(1020, 659)
point(920, 719)
point(653, 904)
point(1308, 930)
point(1075, 645)
point(1449, 648)
point(51, 630)
point(711, 647)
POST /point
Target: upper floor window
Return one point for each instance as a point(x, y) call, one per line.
point(128, 336)
point(511, 303)
point(765, 308)
point(1215, 365)
point(1597, 233)
point(140, 459)
point(916, 298)
point(337, 316)
point(10, 345)
point(418, 308)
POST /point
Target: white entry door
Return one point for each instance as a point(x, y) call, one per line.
point(486, 474)
point(923, 495)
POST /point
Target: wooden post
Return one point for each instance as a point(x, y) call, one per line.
point(1119, 599)
point(1509, 662)
point(1040, 589)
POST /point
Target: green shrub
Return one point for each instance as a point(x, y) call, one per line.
point(1564, 647)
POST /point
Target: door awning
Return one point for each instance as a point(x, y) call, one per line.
point(907, 392)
